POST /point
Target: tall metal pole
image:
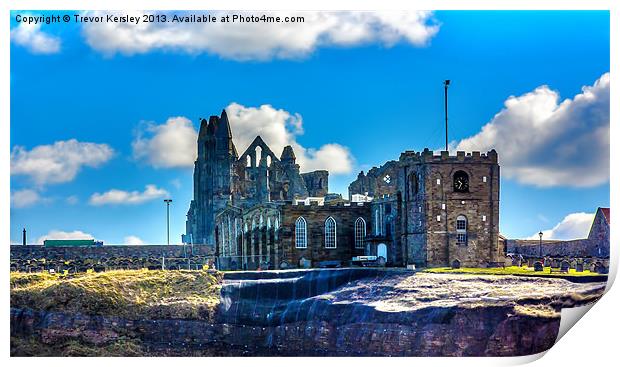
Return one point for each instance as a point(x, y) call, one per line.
point(168, 201)
point(446, 83)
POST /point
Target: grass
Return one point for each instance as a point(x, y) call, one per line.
point(131, 294)
point(511, 270)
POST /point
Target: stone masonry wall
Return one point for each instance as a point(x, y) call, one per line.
point(315, 217)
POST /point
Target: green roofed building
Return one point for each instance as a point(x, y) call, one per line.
point(72, 243)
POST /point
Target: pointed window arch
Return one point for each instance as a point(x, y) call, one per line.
point(330, 233)
point(301, 240)
point(360, 232)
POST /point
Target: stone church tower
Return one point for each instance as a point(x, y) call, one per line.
point(213, 172)
point(450, 208)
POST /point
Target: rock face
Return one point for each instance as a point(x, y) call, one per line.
point(355, 312)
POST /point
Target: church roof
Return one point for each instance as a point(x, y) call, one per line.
point(606, 213)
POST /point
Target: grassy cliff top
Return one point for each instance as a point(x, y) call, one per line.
point(132, 294)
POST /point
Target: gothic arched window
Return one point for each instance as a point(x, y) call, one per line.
point(413, 183)
point(360, 232)
point(330, 233)
point(301, 240)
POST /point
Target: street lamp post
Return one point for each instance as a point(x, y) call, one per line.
point(168, 201)
point(540, 234)
point(163, 258)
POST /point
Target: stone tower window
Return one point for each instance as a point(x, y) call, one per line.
point(387, 179)
point(330, 233)
point(360, 232)
point(301, 240)
point(413, 183)
point(461, 230)
point(460, 181)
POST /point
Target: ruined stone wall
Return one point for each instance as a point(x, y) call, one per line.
point(378, 181)
point(317, 182)
point(315, 216)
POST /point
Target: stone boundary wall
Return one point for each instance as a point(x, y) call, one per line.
point(79, 259)
point(67, 253)
point(573, 248)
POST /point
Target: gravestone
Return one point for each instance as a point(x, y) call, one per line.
point(284, 265)
point(592, 267)
point(547, 262)
point(579, 267)
point(564, 266)
point(598, 268)
point(303, 263)
point(456, 264)
point(538, 266)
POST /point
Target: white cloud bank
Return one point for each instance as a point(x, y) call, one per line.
point(263, 41)
point(280, 128)
point(24, 198)
point(120, 197)
point(59, 162)
point(173, 144)
point(61, 235)
point(545, 143)
point(133, 240)
point(573, 226)
point(36, 41)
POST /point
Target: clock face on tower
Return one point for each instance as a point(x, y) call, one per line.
point(461, 182)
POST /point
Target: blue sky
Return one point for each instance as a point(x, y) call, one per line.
point(373, 96)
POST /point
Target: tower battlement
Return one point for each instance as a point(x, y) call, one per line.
point(428, 156)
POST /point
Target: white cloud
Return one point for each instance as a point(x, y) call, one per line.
point(263, 41)
point(133, 240)
point(61, 235)
point(32, 38)
point(545, 143)
point(57, 163)
point(573, 226)
point(24, 198)
point(280, 128)
point(172, 144)
point(120, 197)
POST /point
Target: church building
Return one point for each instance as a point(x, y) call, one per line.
point(258, 211)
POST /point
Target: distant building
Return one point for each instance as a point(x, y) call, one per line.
point(72, 243)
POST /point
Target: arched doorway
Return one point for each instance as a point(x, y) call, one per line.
point(382, 250)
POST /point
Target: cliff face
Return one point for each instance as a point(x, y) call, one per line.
point(338, 312)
